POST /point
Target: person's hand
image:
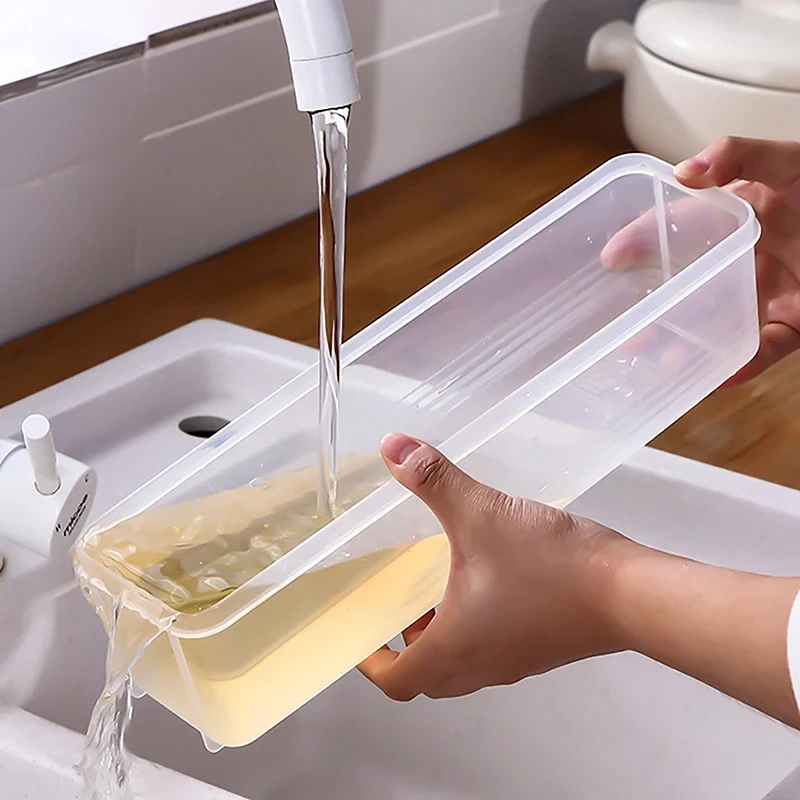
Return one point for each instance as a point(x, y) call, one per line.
point(527, 587)
point(532, 588)
point(767, 175)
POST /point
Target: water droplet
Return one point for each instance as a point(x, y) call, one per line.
point(211, 745)
point(589, 240)
point(259, 482)
point(673, 228)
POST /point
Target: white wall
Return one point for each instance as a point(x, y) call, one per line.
point(127, 173)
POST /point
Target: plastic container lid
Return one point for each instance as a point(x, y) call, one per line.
point(755, 42)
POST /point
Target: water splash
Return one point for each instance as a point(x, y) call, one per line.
point(105, 764)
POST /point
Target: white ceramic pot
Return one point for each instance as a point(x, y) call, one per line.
point(696, 70)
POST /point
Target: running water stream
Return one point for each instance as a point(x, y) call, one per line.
point(330, 138)
point(105, 764)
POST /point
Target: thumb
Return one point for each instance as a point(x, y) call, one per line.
point(775, 164)
point(423, 470)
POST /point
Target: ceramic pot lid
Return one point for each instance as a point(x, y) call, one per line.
point(755, 42)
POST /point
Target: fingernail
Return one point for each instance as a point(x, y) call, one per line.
point(397, 447)
point(691, 168)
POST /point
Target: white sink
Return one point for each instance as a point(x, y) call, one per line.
point(37, 762)
point(620, 727)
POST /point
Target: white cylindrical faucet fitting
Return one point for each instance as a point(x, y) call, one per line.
point(38, 437)
point(45, 496)
point(320, 53)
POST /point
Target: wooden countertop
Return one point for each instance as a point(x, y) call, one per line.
point(401, 235)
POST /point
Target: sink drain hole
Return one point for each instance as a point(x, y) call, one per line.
point(202, 427)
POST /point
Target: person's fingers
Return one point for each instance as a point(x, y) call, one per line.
point(629, 246)
point(777, 341)
point(382, 668)
point(775, 164)
point(691, 228)
point(416, 629)
point(405, 675)
point(442, 486)
point(377, 668)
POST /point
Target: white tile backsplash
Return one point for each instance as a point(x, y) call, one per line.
point(219, 181)
point(125, 174)
point(68, 241)
point(379, 26)
point(199, 76)
point(206, 186)
point(49, 129)
point(477, 93)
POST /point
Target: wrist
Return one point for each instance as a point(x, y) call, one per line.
point(637, 577)
point(609, 587)
point(723, 627)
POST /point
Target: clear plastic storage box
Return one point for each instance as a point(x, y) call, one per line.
point(539, 364)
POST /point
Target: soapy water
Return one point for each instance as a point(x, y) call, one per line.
point(330, 140)
point(237, 683)
point(345, 610)
point(191, 555)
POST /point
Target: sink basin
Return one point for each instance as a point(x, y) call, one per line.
point(37, 762)
point(620, 726)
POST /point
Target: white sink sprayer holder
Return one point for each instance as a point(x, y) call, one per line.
point(45, 496)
